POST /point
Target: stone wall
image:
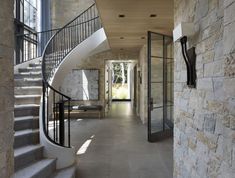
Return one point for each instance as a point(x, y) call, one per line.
point(98, 62)
point(142, 109)
point(204, 132)
point(63, 11)
point(6, 89)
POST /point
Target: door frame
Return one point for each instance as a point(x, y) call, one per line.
point(165, 133)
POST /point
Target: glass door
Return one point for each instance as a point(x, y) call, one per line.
point(160, 86)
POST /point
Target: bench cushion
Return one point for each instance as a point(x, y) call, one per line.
point(87, 107)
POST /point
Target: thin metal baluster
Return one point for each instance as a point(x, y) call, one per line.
point(84, 27)
point(56, 124)
point(93, 21)
point(70, 40)
point(56, 50)
point(65, 41)
point(80, 30)
point(47, 112)
point(69, 122)
point(87, 23)
point(54, 114)
point(90, 22)
point(71, 37)
point(77, 37)
point(43, 104)
point(61, 122)
point(95, 24)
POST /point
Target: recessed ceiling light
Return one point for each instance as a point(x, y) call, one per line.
point(121, 15)
point(153, 15)
point(121, 37)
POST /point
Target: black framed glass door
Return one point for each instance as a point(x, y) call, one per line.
point(160, 86)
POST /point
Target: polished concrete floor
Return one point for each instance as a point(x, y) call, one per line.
point(117, 147)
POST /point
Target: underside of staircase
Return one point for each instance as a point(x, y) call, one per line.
point(28, 152)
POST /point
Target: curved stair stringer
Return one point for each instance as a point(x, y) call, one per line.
point(94, 44)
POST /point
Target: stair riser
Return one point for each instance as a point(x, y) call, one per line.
point(27, 158)
point(47, 171)
point(26, 124)
point(30, 70)
point(32, 111)
point(26, 139)
point(34, 65)
point(22, 83)
point(31, 76)
point(28, 91)
point(35, 100)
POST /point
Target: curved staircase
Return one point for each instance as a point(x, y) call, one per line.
point(42, 146)
point(28, 152)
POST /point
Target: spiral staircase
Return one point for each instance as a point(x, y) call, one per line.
point(42, 146)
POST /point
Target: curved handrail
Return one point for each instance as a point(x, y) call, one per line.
point(57, 48)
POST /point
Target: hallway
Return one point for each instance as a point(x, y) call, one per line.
point(117, 147)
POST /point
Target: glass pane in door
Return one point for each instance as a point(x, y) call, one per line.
point(160, 86)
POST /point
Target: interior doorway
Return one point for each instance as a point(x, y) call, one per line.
point(120, 82)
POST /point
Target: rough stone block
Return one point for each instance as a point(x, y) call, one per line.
point(229, 42)
point(208, 20)
point(201, 9)
point(229, 14)
point(205, 84)
point(209, 124)
point(229, 87)
point(230, 65)
point(219, 50)
point(228, 3)
point(232, 121)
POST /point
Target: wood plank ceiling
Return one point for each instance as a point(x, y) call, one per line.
point(130, 32)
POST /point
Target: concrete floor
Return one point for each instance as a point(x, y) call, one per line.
point(117, 147)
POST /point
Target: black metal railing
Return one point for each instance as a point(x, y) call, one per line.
point(31, 44)
point(56, 105)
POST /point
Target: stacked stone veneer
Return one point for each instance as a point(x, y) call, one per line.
point(6, 89)
point(204, 133)
point(62, 11)
point(142, 106)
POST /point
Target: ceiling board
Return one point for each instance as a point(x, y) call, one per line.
point(136, 22)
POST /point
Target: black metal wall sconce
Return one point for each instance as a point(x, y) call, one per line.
point(181, 33)
point(190, 61)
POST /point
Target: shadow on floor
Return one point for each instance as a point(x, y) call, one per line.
point(117, 147)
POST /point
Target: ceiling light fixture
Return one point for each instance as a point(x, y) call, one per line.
point(153, 15)
point(121, 15)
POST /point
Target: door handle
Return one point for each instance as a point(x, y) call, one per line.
point(151, 104)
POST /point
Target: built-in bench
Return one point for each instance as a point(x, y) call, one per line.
point(86, 109)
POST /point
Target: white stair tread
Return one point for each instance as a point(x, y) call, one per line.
point(27, 96)
point(25, 118)
point(25, 132)
point(26, 73)
point(29, 87)
point(33, 169)
point(29, 79)
point(25, 149)
point(26, 105)
point(65, 173)
point(35, 67)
